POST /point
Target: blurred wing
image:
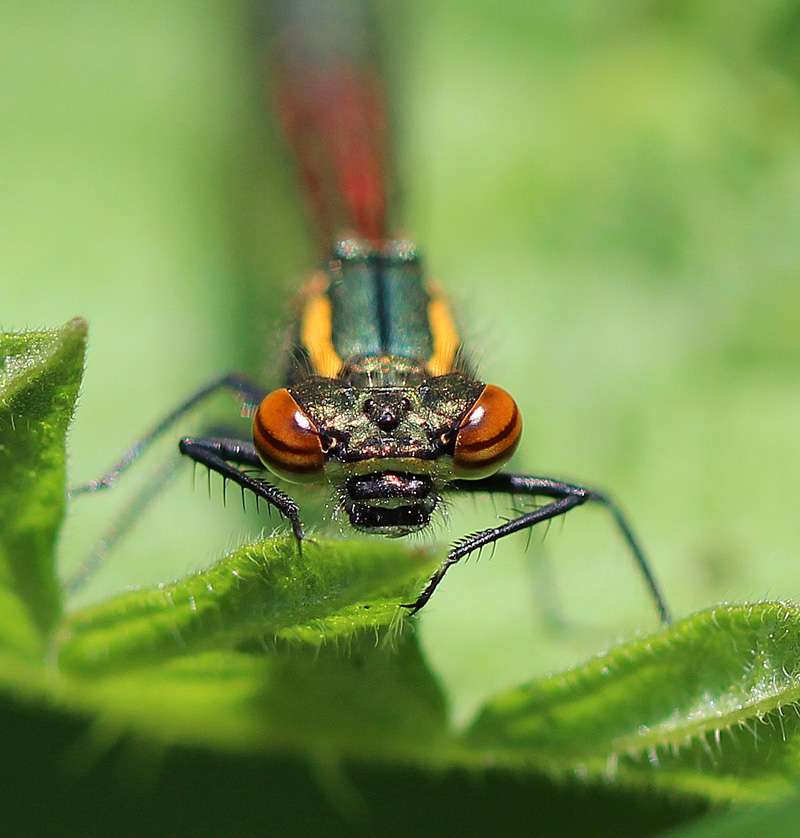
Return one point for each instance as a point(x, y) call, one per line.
point(332, 113)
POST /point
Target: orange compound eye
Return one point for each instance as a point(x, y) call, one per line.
point(286, 439)
point(488, 435)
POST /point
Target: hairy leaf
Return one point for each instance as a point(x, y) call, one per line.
point(261, 592)
point(39, 377)
point(707, 705)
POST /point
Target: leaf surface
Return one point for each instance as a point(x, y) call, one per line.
point(707, 705)
point(260, 592)
point(40, 373)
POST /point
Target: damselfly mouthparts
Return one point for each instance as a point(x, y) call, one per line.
point(378, 398)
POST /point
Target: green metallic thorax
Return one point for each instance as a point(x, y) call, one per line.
point(379, 302)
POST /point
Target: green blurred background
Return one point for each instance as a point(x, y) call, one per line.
point(609, 190)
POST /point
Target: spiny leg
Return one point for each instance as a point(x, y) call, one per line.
point(469, 543)
point(566, 496)
point(219, 454)
point(211, 452)
point(248, 392)
point(77, 578)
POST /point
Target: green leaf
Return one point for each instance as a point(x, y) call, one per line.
point(263, 591)
point(371, 697)
point(40, 373)
point(707, 706)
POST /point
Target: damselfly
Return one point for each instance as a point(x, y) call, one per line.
point(378, 397)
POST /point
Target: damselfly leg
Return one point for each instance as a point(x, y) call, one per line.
point(216, 454)
point(566, 496)
point(226, 457)
point(246, 391)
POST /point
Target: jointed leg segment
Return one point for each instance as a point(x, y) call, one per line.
point(218, 454)
point(247, 391)
point(565, 496)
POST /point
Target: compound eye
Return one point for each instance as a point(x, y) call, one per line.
point(287, 441)
point(488, 434)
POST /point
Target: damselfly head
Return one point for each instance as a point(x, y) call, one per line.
point(390, 450)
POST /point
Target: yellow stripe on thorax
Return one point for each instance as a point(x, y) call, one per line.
point(316, 328)
point(443, 332)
